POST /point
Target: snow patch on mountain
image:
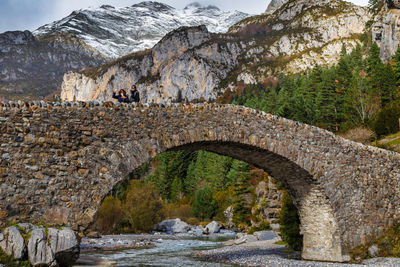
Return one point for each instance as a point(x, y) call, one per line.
point(116, 32)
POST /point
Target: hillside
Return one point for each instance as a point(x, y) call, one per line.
point(31, 67)
point(196, 67)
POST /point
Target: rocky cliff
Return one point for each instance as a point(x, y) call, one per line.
point(386, 30)
point(186, 64)
point(298, 35)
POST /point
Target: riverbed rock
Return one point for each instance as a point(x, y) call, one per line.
point(93, 234)
point(212, 228)
point(39, 250)
point(196, 231)
point(264, 235)
point(373, 251)
point(173, 226)
point(12, 243)
point(64, 245)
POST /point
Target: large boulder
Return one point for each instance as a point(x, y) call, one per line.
point(64, 245)
point(12, 243)
point(212, 228)
point(264, 235)
point(39, 250)
point(173, 226)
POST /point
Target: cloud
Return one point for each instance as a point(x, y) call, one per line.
point(31, 14)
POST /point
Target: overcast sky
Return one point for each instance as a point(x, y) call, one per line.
point(30, 14)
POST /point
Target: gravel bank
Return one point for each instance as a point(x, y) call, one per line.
point(266, 253)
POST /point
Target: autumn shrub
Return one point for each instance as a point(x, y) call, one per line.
point(290, 223)
point(184, 212)
point(193, 221)
point(109, 217)
point(361, 135)
point(142, 207)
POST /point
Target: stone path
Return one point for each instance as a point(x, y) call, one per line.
point(266, 253)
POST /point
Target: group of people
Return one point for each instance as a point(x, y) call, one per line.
point(123, 97)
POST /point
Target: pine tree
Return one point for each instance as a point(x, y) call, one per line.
point(204, 205)
point(241, 210)
point(396, 61)
point(325, 102)
point(388, 85)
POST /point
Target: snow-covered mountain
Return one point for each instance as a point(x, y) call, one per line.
point(116, 32)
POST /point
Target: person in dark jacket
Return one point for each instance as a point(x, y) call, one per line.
point(135, 94)
point(122, 96)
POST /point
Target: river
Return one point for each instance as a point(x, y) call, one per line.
point(177, 253)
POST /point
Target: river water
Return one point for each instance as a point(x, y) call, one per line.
point(177, 253)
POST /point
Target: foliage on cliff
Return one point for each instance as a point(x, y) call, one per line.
point(388, 245)
point(355, 92)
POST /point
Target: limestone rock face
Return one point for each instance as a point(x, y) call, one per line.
point(173, 226)
point(386, 32)
point(228, 214)
point(55, 247)
point(12, 242)
point(184, 65)
point(275, 5)
point(39, 251)
point(65, 246)
point(267, 202)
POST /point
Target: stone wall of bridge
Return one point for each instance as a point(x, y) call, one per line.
point(58, 162)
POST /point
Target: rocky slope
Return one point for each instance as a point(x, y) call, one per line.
point(386, 30)
point(32, 64)
point(116, 32)
point(31, 67)
point(192, 64)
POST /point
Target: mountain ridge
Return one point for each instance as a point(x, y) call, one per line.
point(296, 37)
point(116, 32)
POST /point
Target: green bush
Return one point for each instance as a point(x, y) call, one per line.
point(204, 205)
point(387, 121)
point(10, 262)
point(142, 207)
point(264, 226)
point(290, 223)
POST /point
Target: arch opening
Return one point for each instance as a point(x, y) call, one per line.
point(319, 227)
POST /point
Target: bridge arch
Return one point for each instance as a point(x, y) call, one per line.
point(58, 162)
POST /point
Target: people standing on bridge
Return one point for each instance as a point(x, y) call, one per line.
point(135, 97)
point(122, 96)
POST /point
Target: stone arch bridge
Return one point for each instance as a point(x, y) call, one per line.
point(58, 161)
